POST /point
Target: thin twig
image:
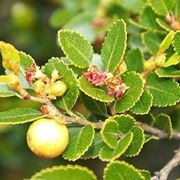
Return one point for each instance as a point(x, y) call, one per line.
point(165, 171)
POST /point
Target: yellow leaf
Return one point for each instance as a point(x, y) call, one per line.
point(10, 57)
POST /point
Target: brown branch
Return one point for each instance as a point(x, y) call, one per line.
point(73, 118)
point(165, 171)
point(157, 132)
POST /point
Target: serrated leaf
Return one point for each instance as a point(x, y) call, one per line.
point(122, 171)
point(152, 41)
point(109, 133)
point(162, 7)
point(166, 92)
point(173, 60)
point(137, 142)
point(171, 72)
point(144, 104)
point(65, 172)
point(163, 121)
point(93, 91)
point(146, 174)
point(114, 46)
point(148, 19)
point(108, 154)
point(5, 91)
point(176, 42)
point(19, 116)
point(163, 24)
point(125, 122)
point(134, 60)
point(95, 148)
point(76, 48)
point(25, 59)
point(68, 100)
point(94, 106)
point(80, 139)
point(166, 42)
point(10, 57)
point(135, 85)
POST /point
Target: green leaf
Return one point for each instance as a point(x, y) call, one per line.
point(65, 172)
point(151, 41)
point(5, 91)
point(114, 46)
point(94, 106)
point(125, 122)
point(137, 142)
point(171, 72)
point(76, 48)
point(176, 42)
point(60, 16)
point(143, 106)
point(19, 116)
point(134, 60)
point(25, 59)
point(135, 85)
point(162, 7)
point(68, 100)
point(95, 148)
point(146, 174)
point(148, 19)
point(109, 133)
point(173, 60)
point(163, 24)
point(166, 42)
point(122, 171)
point(108, 154)
point(79, 142)
point(93, 91)
point(163, 121)
point(177, 9)
point(133, 5)
point(166, 92)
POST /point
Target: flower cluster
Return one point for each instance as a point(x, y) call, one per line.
point(115, 86)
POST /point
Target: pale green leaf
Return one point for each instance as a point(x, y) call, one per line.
point(120, 170)
point(68, 100)
point(143, 106)
point(166, 92)
point(176, 42)
point(173, 60)
point(162, 7)
point(134, 60)
point(19, 116)
point(166, 42)
point(93, 91)
point(135, 85)
point(108, 154)
point(95, 148)
point(171, 72)
point(137, 142)
point(80, 139)
point(114, 46)
point(25, 60)
point(109, 133)
point(177, 9)
point(76, 48)
point(75, 172)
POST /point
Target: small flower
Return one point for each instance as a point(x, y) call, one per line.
point(96, 77)
point(30, 72)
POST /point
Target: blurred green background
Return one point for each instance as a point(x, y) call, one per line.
point(31, 26)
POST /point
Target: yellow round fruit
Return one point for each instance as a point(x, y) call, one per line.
point(58, 88)
point(47, 138)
